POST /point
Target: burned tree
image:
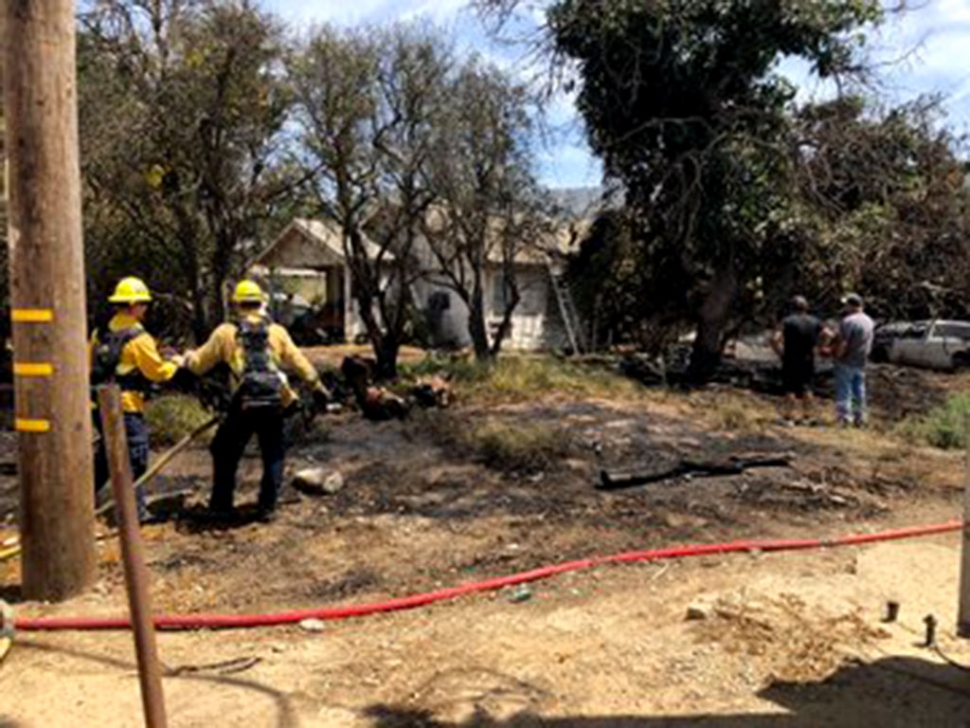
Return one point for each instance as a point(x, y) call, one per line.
point(367, 104)
point(489, 211)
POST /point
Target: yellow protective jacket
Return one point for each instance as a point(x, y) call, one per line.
point(223, 346)
point(141, 354)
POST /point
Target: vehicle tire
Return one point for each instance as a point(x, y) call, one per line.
point(880, 355)
point(961, 361)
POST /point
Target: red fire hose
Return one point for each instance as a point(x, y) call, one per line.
point(229, 621)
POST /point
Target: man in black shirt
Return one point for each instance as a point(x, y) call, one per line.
point(795, 342)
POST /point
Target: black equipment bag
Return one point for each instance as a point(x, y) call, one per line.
point(107, 357)
point(262, 384)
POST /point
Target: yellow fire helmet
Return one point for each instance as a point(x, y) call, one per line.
point(131, 290)
point(248, 292)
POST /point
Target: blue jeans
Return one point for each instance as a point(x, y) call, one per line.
point(136, 431)
point(850, 394)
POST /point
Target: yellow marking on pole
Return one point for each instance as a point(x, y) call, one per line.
point(32, 315)
point(22, 425)
point(38, 369)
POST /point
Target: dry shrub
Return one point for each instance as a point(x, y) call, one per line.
point(515, 378)
point(500, 444)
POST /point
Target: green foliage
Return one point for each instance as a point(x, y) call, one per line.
point(682, 104)
point(884, 207)
point(944, 427)
point(181, 112)
point(172, 417)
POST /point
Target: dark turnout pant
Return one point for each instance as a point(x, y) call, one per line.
point(136, 431)
point(227, 450)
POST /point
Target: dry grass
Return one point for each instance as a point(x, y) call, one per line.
point(734, 411)
point(501, 444)
point(515, 379)
point(172, 417)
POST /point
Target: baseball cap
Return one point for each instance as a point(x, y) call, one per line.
point(852, 299)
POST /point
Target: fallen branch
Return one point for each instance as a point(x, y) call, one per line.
point(228, 667)
point(687, 468)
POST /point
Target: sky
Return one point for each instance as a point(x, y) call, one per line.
point(923, 51)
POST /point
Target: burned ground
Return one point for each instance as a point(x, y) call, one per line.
point(497, 485)
point(484, 490)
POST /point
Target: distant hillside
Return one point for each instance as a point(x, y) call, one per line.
point(578, 201)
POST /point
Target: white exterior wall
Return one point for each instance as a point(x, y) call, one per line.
point(530, 317)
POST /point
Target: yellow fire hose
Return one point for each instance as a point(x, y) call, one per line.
point(155, 469)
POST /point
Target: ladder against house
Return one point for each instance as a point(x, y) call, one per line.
point(575, 333)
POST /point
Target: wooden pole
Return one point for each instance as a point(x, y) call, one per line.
point(136, 575)
point(963, 615)
point(53, 415)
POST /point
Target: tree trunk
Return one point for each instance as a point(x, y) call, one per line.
point(221, 265)
point(506, 325)
point(478, 328)
point(387, 358)
point(713, 318)
point(200, 323)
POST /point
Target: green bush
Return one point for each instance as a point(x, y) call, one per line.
point(944, 427)
point(172, 417)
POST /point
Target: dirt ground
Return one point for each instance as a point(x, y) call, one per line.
point(787, 639)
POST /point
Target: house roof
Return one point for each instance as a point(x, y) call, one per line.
point(552, 241)
point(326, 249)
point(326, 244)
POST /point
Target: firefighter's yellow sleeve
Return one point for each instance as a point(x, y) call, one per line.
point(217, 349)
point(143, 352)
point(291, 357)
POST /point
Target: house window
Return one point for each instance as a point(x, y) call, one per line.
point(439, 301)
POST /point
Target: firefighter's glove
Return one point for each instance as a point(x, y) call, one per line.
point(321, 398)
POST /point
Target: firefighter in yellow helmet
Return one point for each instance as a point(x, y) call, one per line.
point(126, 354)
point(257, 352)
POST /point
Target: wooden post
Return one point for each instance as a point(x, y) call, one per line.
point(136, 575)
point(47, 299)
point(963, 615)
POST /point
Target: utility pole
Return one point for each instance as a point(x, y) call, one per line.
point(963, 606)
point(47, 301)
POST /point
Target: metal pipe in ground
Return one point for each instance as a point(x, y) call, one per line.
point(136, 575)
point(963, 618)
